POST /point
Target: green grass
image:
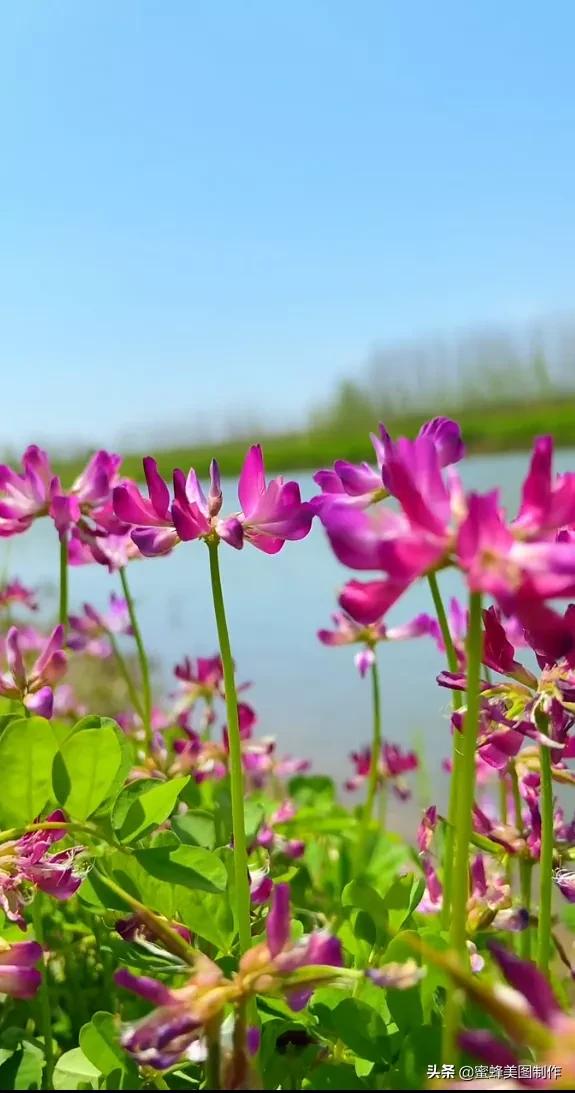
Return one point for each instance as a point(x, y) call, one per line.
point(487, 428)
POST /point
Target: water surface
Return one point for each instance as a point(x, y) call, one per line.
point(307, 695)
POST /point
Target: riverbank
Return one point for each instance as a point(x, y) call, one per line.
point(486, 429)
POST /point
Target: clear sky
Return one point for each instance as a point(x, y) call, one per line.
point(211, 210)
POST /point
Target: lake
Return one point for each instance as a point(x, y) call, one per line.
point(308, 696)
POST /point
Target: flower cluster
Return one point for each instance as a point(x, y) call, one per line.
point(270, 513)
point(27, 865)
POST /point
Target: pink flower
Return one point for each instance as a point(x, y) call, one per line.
point(18, 976)
point(169, 1033)
point(261, 886)
point(497, 563)
point(203, 677)
point(87, 545)
point(27, 861)
point(408, 543)
point(360, 485)
point(426, 829)
point(361, 620)
point(37, 491)
point(392, 764)
point(269, 838)
point(458, 620)
point(33, 686)
point(14, 592)
point(271, 513)
point(89, 632)
point(66, 703)
point(26, 495)
point(547, 503)
point(153, 532)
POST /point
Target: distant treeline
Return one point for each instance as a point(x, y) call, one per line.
point(490, 367)
point(504, 386)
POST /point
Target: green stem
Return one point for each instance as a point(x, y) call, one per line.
point(525, 875)
point(375, 748)
point(63, 604)
point(525, 866)
point(11, 833)
point(142, 657)
point(213, 1061)
point(44, 998)
point(465, 796)
point(456, 699)
point(546, 862)
point(241, 874)
point(125, 673)
point(173, 941)
point(466, 788)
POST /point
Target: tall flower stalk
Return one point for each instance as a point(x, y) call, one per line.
point(465, 796)
point(242, 883)
point(456, 749)
point(545, 862)
point(63, 599)
point(142, 656)
point(525, 866)
point(375, 748)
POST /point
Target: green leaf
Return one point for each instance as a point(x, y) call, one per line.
point(312, 791)
point(189, 866)
point(331, 821)
point(360, 1027)
point(145, 805)
point(196, 828)
point(206, 914)
point(87, 765)
point(419, 1049)
point(74, 1071)
point(99, 1040)
point(333, 1076)
point(23, 1069)
point(27, 749)
point(360, 894)
point(405, 1006)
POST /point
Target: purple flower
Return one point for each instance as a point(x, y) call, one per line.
point(547, 503)
point(507, 568)
point(408, 543)
point(113, 549)
point(278, 920)
point(271, 513)
point(19, 977)
point(261, 886)
point(153, 532)
point(14, 592)
point(201, 678)
point(37, 491)
point(458, 620)
point(393, 763)
point(426, 829)
point(360, 485)
point(499, 653)
point(169, 1033)
point(25, 496)
point(532, 1018)
point(33, 686)
point(28, 861)
point(134, 929)
point(361, 620)
point(446, 435)
point(89, 631)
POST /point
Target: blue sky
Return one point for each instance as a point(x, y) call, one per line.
point(211, 210)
